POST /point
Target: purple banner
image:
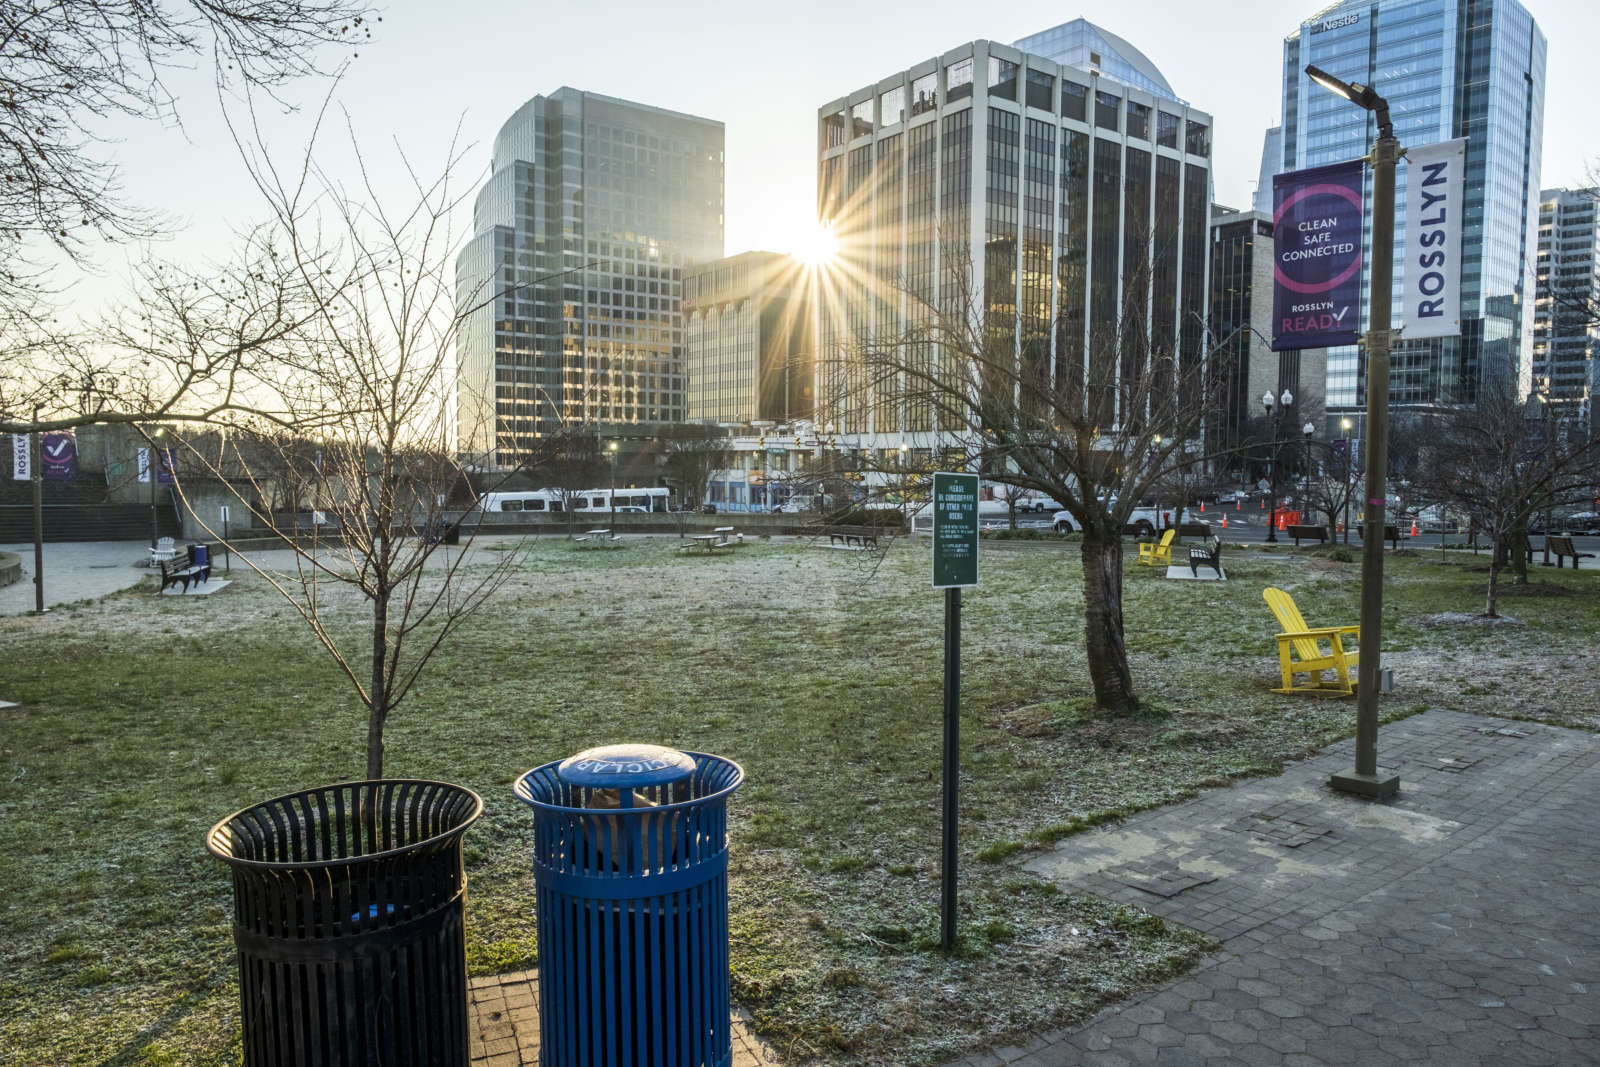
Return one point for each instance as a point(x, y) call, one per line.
point(60, 453)
point(1316, 292)
point(166, 466)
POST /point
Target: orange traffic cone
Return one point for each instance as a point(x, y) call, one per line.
point(1413, 529)
point(1224, 522)
point(1202, 507)
point(1236, 504)
point(1263, 505)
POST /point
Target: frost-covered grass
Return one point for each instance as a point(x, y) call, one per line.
point(146, 719)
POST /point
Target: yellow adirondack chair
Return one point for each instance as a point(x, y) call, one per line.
point(1152, 553)
point(1300, 650)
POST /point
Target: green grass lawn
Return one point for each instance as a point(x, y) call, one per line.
point(146, 719)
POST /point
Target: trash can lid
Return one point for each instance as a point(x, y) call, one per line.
point(625, 767)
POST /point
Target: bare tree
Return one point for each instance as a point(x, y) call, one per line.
point(65, 68)
point(693, 452)
point(1094, 420)
point(1501, 463)
point(374, 367)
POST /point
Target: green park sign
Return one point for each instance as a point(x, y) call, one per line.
point(955, 530)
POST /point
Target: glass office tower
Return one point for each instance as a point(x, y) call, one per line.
point(1448, 68)
point(570, 289)
point(1074, 205)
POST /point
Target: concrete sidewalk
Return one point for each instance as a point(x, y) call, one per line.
point(1457, 924)
point(74, 571)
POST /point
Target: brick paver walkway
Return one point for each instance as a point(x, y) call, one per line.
point(505, 1025)
point(1456, 924)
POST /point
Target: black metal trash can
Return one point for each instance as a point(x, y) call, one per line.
point(348, 904)
point(631, 867)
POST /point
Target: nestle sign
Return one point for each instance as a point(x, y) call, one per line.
point(1336, 24)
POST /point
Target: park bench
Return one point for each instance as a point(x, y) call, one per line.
point(1194, 529)
point(1310, 533)
point(1561, 547)
point(191, 571)
point(1210, 555)
point(1152, 553)
point(1391, 534)
point(854, 536)
point(1300, 650)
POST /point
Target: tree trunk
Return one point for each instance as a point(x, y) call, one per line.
point(378, 712)
point(1519, 553)
point(1102, 623)
point(1494, 580)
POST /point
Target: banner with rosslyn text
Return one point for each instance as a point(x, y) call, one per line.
point(1435, 180)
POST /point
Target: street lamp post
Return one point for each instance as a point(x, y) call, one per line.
point(1349, 470)
point(154, 466)
point(1549, 444)
point(1282, 403)
point(1305, 475)
point(1366, 779)
point(611, 448)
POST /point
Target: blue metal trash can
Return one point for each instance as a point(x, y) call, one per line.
point(631, 867)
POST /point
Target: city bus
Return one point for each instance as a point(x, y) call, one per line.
point(553, 501)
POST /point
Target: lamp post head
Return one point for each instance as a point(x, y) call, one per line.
point(1267, 400)
point(1363, 96)
point(1345, 423)
point(1286, 399)
point(1308, 430)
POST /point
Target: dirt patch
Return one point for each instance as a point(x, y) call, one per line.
point(1536, 589)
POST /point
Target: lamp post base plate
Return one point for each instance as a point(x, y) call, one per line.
point(1377, 786)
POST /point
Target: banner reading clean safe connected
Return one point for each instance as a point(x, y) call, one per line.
point(1316, 292)
point(1434, 191)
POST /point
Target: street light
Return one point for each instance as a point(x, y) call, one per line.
point(1365, 778)
point(1349, 469)
point(1305, 478)
point(154, 466)
point(611, 447)
point(1282, 402)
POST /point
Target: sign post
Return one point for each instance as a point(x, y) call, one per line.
point(955, 566)
point(227, 552)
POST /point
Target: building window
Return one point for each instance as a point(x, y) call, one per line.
point(1198, 141)
point(1074, 100)
point(1039, 86)
point(1106, 106)
point(1138, 121)
point(1166, 130)
point(861, 119)
point(958, 80)
point(835, 129)
point(925, 94)
point(1002, 78)
point(892, 106)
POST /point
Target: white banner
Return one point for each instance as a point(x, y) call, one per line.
point(144, 464)
point(1434, 195)
point(21, 457)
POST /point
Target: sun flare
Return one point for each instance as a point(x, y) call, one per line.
point(815, 245)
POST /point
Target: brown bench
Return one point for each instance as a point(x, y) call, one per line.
point(854, 536)
point(1561, 547)
point(1391, 534)
point(1310, 533)
point(186, 574)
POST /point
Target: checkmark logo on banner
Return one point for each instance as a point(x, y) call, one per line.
point(1340, 317)
point(56, 449)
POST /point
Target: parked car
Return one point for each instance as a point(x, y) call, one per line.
point(708, 509)
point(1062, 522)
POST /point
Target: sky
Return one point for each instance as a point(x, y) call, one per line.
point(435, 72)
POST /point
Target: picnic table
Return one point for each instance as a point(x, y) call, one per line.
point(598, 535)
point(708, 542)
